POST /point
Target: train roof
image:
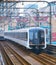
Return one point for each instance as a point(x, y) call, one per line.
point(25, 29)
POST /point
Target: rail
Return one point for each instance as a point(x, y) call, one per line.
point(17, 55)
point(22, 56)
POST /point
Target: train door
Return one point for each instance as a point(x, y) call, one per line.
point(35, 37)
point(41, 36)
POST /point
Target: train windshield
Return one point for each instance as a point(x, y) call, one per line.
point(36, 36)
point(33, 36)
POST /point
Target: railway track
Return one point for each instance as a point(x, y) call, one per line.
point(14, 58)
point(24, 57)
point(44, 59)
point(51, 49)
point(17, 57)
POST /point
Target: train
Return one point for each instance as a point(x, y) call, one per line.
point(1, 35)
point(32, 37)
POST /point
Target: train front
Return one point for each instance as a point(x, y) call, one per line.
point(37, 38)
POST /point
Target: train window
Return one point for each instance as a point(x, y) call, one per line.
point(41, 36)
point(26, 35)
point(31, 35)
point(22, 36)
point(36, 35)
point(18, 35)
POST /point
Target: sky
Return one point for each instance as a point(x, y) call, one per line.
point(49, 0)
point(37, 0)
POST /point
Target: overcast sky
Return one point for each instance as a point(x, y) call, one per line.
point(49, 0)
point(37, 0)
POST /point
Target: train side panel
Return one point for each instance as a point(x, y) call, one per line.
point(18, 37)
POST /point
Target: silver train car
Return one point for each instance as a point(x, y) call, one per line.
point(33, 37)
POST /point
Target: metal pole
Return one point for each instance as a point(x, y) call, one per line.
point(50, 23)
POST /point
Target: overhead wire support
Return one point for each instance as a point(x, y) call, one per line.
point(50, 24)
point(10, 5)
